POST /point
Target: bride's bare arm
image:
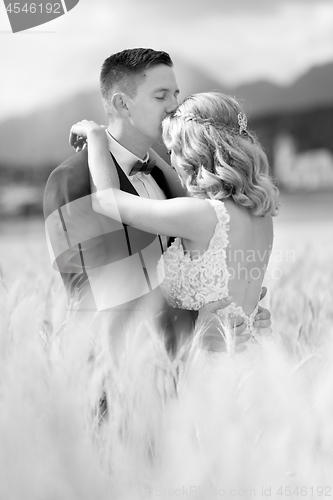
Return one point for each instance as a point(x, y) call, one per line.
point(188, 218)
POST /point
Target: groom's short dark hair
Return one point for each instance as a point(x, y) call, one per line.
point(123, 67)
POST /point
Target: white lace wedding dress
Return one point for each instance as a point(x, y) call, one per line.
point(191, 282)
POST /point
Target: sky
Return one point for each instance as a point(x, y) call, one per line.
point(234, 41)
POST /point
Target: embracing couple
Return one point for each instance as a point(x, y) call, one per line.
point(135, 239)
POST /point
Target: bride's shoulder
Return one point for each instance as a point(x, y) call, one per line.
point(242, 220)
point(239, 218)
point(234, 212)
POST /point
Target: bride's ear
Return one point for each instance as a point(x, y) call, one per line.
point(119, 103)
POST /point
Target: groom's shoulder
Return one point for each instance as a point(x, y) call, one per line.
point(74, 171)
point(75, 165)
point(67, 182)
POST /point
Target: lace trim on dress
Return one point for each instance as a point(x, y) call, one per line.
point(189, 283)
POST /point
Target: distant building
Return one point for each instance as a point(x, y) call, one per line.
point(299, 146)
point(310, 170)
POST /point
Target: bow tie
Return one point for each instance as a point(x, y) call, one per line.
point(145, 167)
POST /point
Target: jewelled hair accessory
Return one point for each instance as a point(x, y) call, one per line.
point(210, 122)
point(242, 122)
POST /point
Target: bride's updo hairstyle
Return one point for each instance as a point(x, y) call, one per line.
point(221, 159)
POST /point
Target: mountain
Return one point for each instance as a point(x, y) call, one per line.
point(314, 89)
point(41, 138)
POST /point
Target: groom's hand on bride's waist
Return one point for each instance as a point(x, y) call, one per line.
point(262, 320)
point(209, 311)
point(209, 319)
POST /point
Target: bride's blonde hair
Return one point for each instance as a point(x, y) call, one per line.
point(221, 159)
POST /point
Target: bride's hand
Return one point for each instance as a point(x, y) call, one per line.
point(80, 131)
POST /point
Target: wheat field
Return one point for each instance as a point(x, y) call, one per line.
point(236, 428)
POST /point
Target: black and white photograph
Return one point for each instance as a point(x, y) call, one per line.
point(166, 224)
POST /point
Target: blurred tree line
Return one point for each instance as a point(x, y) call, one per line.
point(25, 174)
point(311, 129)
point(22, 188)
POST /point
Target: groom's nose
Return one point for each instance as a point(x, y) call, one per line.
point(172, 105)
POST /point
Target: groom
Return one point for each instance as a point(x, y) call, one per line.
point(108, 267)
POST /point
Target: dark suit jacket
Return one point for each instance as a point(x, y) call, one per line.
point(105, 265)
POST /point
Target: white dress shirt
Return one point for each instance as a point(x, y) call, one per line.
point(144, 184)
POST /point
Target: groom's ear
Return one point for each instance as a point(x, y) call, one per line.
point(119, 103)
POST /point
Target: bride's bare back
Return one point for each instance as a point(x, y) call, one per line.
point(250, 245)
point(247, 254)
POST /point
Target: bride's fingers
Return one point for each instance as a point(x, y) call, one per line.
point(74, 135)
point(263, 292)
point(80, 146)
point(80, 143)
point(72, 138)
point(78, 131)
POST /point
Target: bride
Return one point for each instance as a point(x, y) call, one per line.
point(223, 229)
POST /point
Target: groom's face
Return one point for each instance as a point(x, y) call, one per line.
point(155, 98)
